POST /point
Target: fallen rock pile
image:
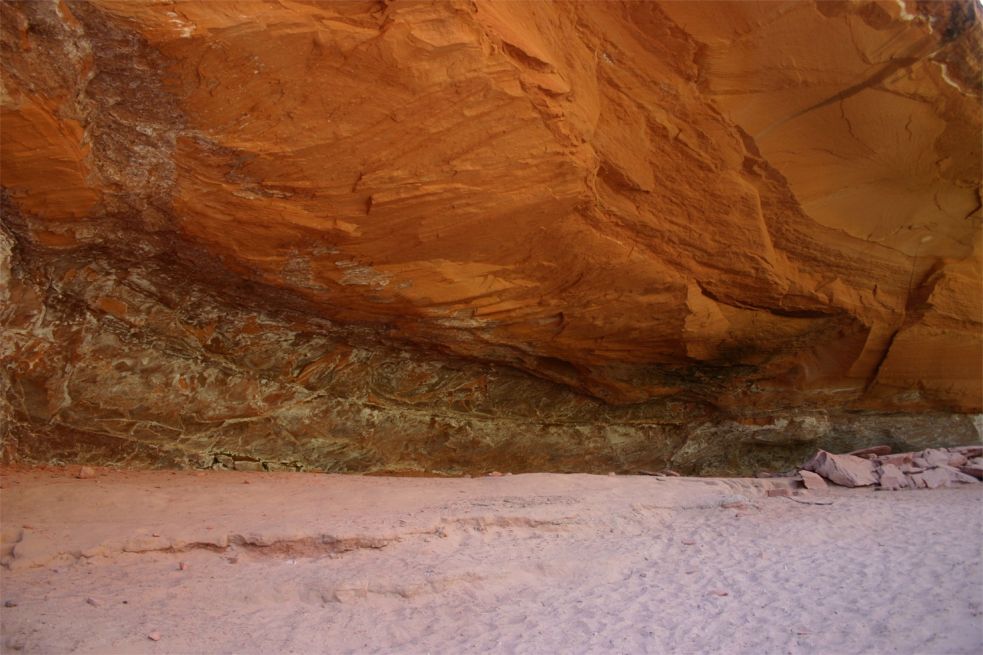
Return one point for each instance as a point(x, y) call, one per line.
point(877, 466)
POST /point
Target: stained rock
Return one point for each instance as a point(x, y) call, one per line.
point(845, 470)
point(644, 247)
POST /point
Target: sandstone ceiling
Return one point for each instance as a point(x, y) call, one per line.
point(267, 230)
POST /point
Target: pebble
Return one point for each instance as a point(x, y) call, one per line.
point(93, 602)
point(720, 592)
point(182, 566)
point(10, 603)
point(154, 636)
point(86, 472)
point(689, 542)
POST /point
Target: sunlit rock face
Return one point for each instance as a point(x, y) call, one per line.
point(405, 236)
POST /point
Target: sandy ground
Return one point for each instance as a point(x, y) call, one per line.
point(303, 563)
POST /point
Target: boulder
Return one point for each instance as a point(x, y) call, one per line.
point(945, 476)
point(845, 470)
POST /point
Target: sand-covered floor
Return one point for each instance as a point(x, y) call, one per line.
point(302, 563)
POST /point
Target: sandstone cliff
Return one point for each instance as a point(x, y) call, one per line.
point(451, 236)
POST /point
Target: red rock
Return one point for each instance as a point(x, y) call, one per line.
point(845, 470)
point(688, 542)
point(813, 481)
point(182, 566)
point(154, 636)
point(93, 602)
point(614, 229)
point(778, 493)
point(85, 473)
point(973, 471)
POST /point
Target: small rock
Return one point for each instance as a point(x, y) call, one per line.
point(182, 566)
point(720, 592)
point(85, 473)
point(813, 481)
point(154, 636)
point(156, 534)
point(688, 542)
point(671, 473)
point(846, 470)
point(969, 451)
point(734, 501)
point(10, 603)
point(495, 474)
point(778, 493)
point(93, 602)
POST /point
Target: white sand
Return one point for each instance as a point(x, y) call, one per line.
point(518, 564)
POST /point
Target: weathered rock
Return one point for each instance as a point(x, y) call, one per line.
point(956, 460)
point(813, 481)
point(891, 477)
point(900, 459)
point(454, 237)
point(933, 457)
point(778, 493)
point(945, 476)
point(85, 473)
point(845, 470)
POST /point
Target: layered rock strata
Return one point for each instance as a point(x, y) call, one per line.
point(466, 235)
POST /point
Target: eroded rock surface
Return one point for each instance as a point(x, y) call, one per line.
point(460, 236)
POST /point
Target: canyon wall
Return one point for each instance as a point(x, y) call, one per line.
point(463, 236)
